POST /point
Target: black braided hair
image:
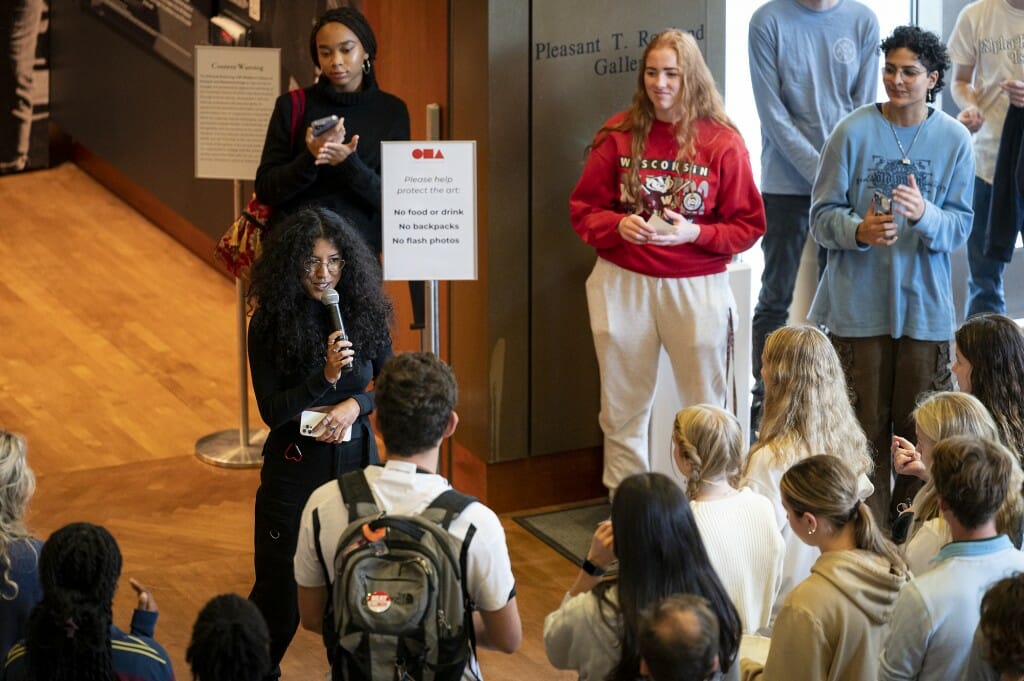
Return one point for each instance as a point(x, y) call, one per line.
point(230, 641)
point(68, 634)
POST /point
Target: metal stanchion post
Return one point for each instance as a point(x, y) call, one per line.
point(236, 448)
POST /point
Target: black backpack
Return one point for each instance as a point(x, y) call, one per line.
point(398, 608)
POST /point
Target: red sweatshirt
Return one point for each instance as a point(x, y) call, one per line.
point(714, 189)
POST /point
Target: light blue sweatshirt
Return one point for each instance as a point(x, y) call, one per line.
point(904, 289)
point(933, 623)
point(808, 70)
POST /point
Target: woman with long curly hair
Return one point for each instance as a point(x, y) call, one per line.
point(299, 363)
point(654, 537)
point(19, 550)
point(666, 199)
point(938, 416)
point(830, 627)
point(807, 411)
point(989, 364)
point(71, 634)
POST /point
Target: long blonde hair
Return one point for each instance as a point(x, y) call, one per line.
point(807, 406)
point(17, 484)
point(947, 414)
point(826, 487)
point(698, 99)
point(711, 439)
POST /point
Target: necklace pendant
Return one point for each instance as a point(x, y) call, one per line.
point(905, 161)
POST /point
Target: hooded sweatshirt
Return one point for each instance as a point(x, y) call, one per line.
point(831, 626)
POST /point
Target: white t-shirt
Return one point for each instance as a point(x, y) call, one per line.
point(399, 490)
point(926, 544)
point(745, 547)
point(989, 35)
point(763, 476)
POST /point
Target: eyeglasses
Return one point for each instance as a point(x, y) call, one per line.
point(334, 265)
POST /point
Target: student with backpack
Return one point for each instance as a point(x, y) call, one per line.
point(387, 522)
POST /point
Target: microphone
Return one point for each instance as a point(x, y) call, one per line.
point(330, 299)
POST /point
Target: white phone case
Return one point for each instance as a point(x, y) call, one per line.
point(310, 425)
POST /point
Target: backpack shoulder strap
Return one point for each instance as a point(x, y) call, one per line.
point(319, 550)
point(298, 96)
point(450, 503)
point(355, 491)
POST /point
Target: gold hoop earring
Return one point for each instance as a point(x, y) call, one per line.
point(366, 65)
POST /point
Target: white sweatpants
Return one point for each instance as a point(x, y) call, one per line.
point(632, 316)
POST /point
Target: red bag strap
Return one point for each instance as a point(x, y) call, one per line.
point(298, 110)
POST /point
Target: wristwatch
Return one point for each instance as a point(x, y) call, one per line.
point(591, 569)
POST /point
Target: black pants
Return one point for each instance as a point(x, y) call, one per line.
point(293, 466)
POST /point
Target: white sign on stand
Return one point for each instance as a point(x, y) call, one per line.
point(429, 210)
point(236, 88)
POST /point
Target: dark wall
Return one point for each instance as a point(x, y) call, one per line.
point(133, 110)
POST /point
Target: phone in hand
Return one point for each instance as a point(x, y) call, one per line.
point(883, 204)
point(322, 125)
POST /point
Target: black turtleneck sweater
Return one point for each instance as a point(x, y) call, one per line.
point(287, 178)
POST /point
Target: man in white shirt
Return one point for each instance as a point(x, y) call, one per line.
point(415, 397)
point(935, 616)
point(985, 47)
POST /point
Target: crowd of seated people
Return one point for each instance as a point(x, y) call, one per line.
point(679, 575)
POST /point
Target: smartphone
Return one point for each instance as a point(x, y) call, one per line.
point(883, 204)
point(322, 125)
point(310, 424)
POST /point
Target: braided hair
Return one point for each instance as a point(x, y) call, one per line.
point(68, 634)
point(230, 641)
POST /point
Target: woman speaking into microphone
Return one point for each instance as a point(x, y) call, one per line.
point(301, 362)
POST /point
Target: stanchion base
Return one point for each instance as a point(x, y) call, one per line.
point(223, 449)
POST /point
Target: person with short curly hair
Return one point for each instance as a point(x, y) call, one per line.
point(19, 550)
point(891, 202)
point(989, 364)
point(997, 652)
point(300, 363)
point(230, 641)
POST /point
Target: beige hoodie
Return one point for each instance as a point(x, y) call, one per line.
point(831, 626)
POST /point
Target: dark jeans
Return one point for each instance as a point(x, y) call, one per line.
point(19, 31)
point(985, 283)
point(887, 376)
point(782, 244)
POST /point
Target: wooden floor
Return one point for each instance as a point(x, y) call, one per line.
point(118, 352)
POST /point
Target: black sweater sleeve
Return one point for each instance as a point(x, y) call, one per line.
point(284, 171)
point(278, 403)
point(360, 177)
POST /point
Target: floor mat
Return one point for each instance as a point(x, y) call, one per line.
point(568, 531)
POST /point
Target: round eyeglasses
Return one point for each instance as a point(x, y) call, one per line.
point(333, 265)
